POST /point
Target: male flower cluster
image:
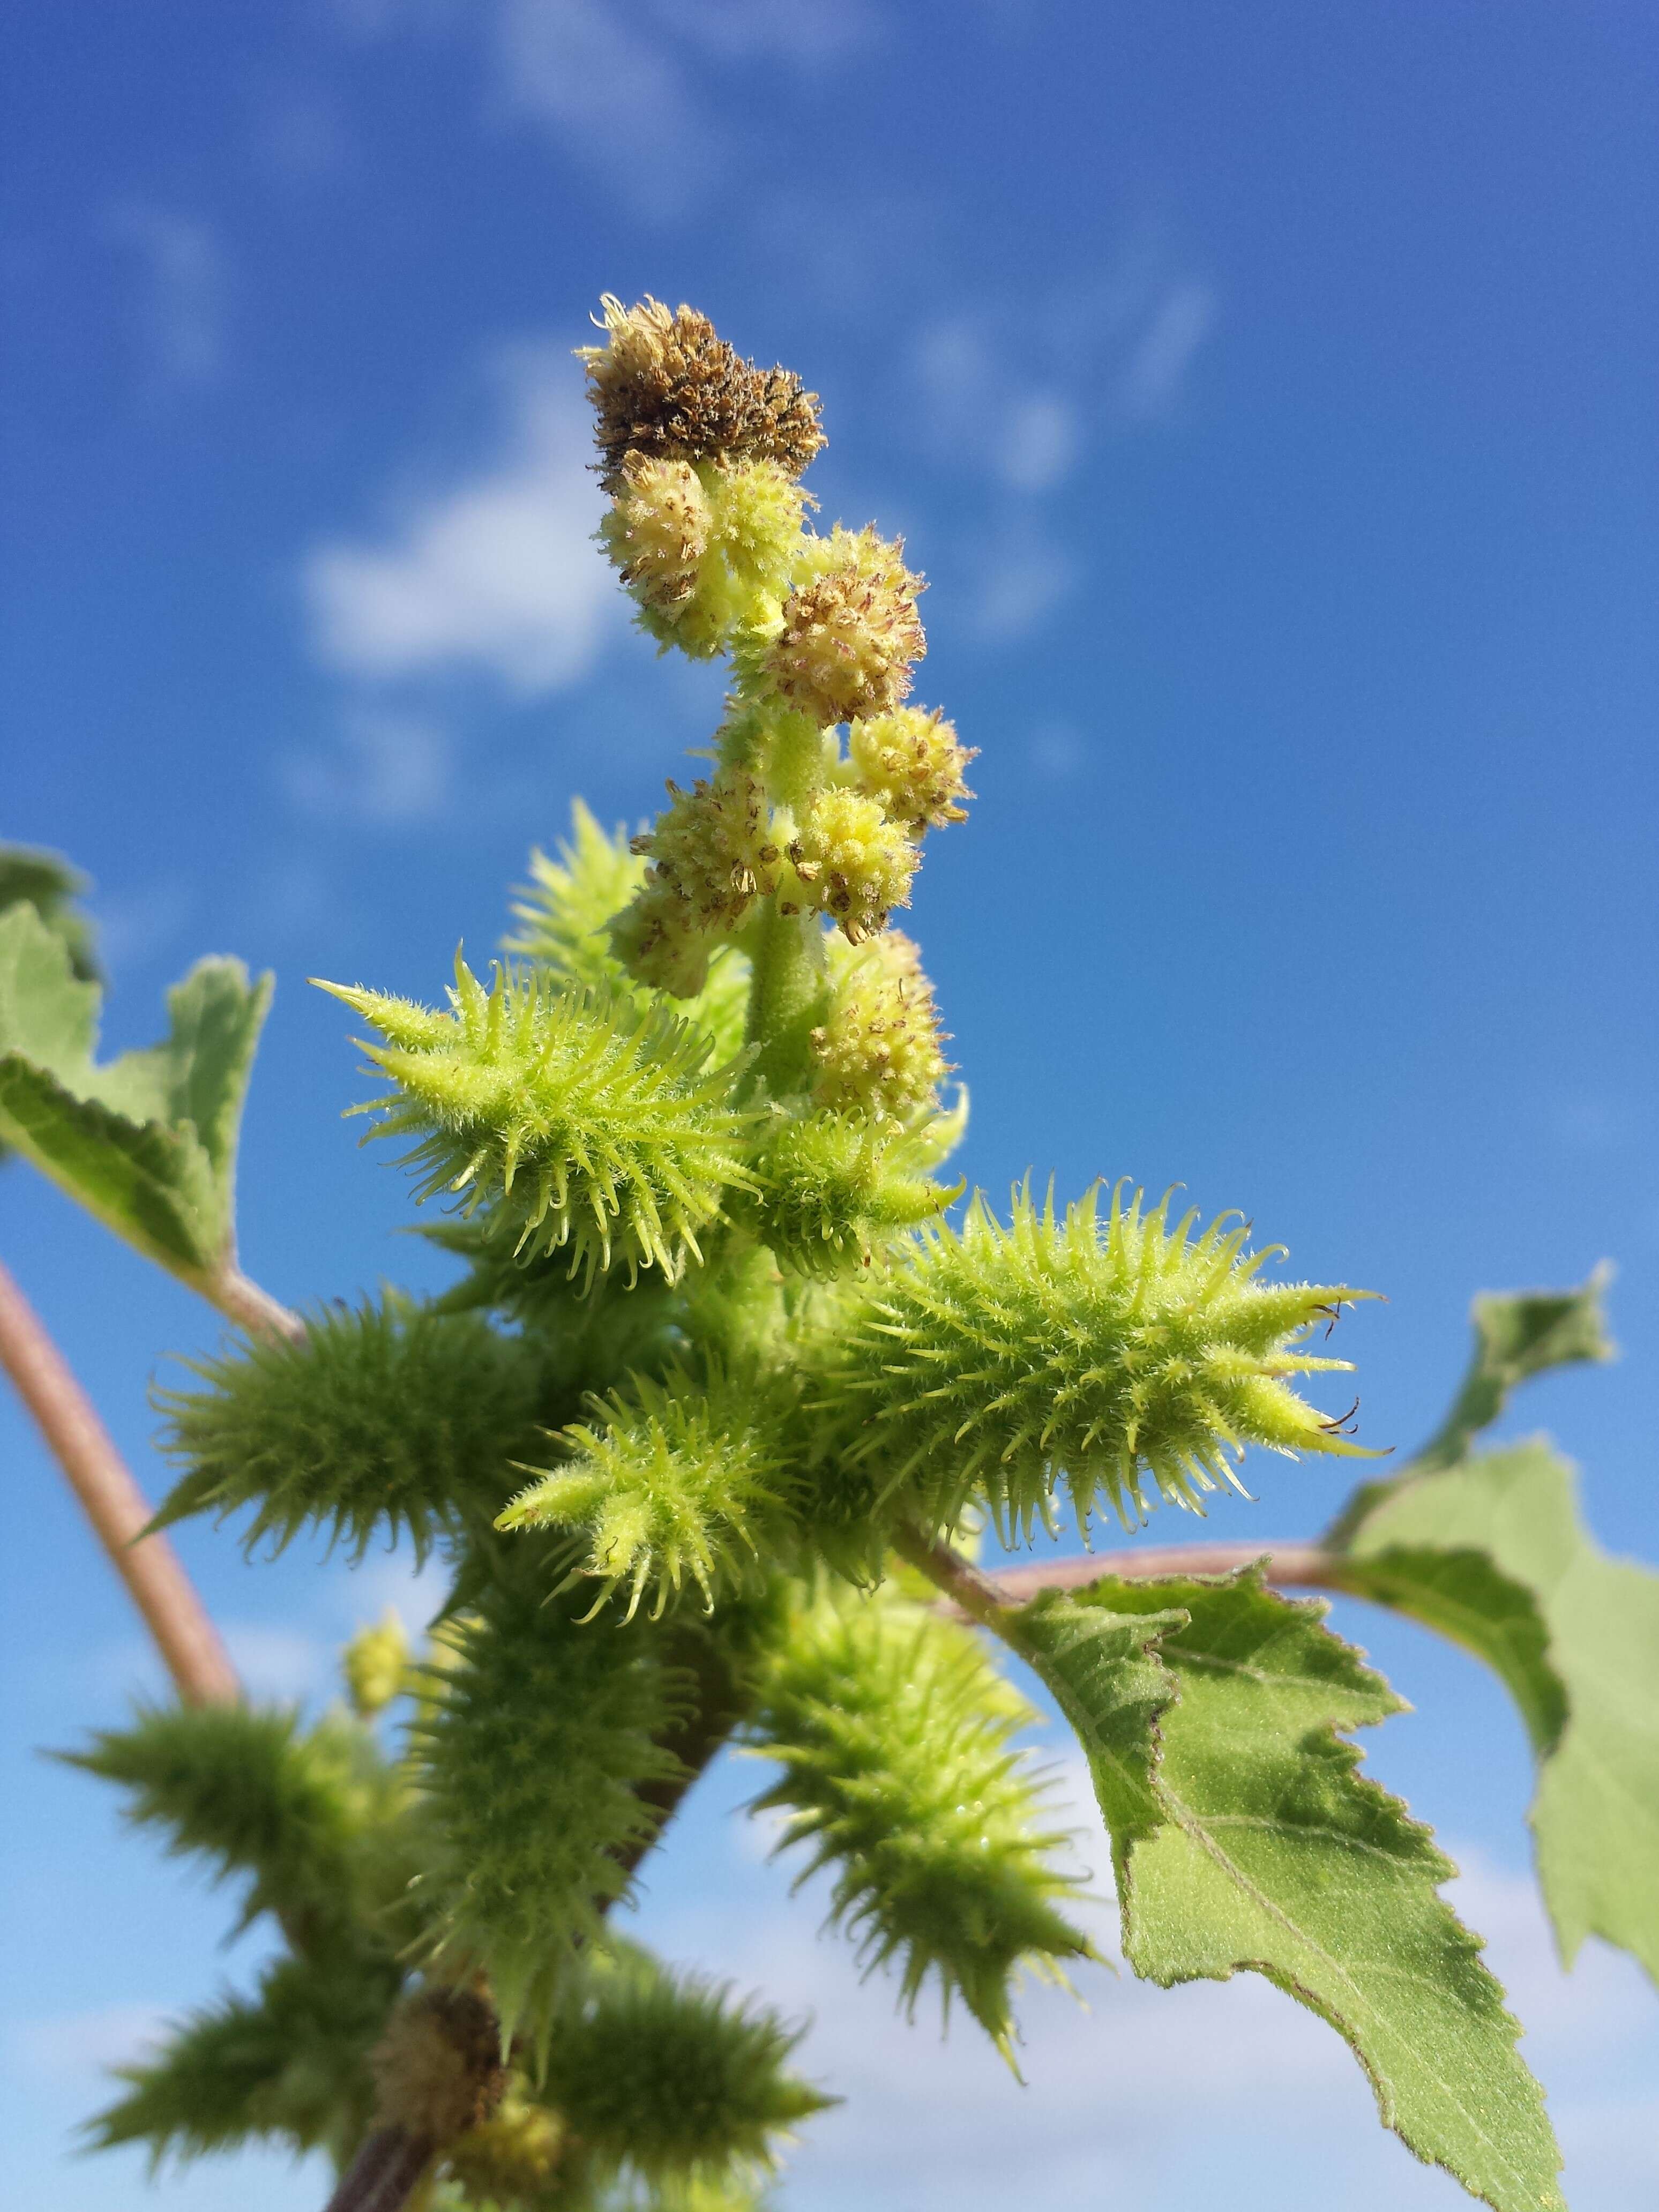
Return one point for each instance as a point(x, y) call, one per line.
point(702, 452)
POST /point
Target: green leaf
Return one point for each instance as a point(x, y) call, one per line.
point(48, 882)
point(148, 1141)
point(1595, 1818)
point(1244, 1838)
point(1461, 1594)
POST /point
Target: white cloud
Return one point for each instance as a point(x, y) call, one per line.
point(1018, 392)
point(1176, 2098)
point(181, 317)
point(1023, 578)
point(495, 573)
point(622, 90)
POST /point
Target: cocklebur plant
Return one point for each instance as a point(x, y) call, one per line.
point(707, 1431)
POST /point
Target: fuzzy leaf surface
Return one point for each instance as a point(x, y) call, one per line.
point(148, 1141)
point(1595, 1818)
point(1245, 1838)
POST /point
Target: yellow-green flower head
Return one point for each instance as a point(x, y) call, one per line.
point(911, 761)
point(666, 386)
point(850, 629)
point(376, 1664)
point(855, 863)
point(657, 531)
point(757, 510)
point(881, 1051)
point(512, 2156)
point(713, 846)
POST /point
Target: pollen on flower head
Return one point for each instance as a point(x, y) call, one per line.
point(856, 866)
point(666, 386)
point(850, 629)
point(911, 761)
point(757, 509)
point(657, 531)
point(881, 1051)
point(711, 847)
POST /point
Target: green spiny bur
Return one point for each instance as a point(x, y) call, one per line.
point(1002, 1364)
point(593, 1124)
point(682, 1483)
point(894, 1735)
point(289, 2062)
point(533, 1755)
point(384, 1421)
point(835, 1189)
point(664, 2075)
point(309, 1817)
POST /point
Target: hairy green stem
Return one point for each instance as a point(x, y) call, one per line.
point(786, 996)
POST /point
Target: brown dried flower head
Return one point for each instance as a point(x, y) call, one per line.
point(850, 631)
point(666, 386)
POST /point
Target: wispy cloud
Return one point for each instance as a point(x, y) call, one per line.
point(181, 319)
point(1020, 393)
point(385, 769)
point(67, 2046)
point(634, 94)
point(1155, 370)
point(493, 572)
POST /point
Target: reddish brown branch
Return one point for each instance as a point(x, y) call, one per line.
point(158, 1585)
point(387, 2168)
point(1290, 1566)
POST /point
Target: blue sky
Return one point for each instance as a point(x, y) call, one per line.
point(1268, 394)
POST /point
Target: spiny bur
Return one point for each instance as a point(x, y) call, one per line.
point(1001, 1364)
point(895, 1734)
point(596, 1124)
point(682, 1484)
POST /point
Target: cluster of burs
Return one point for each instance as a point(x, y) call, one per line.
point(715, 1352)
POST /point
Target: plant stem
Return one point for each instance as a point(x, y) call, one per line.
point(241, 1300)
point(159, 1587)
point(1290, 1566)
point(987, 1599)
point(391, 2161)
point(786, 994)
point(388, 2166)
